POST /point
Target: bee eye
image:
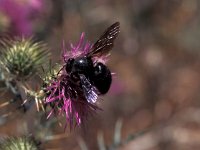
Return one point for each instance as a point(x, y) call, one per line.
point(69, 65)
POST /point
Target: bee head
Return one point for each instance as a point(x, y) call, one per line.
point(69, 65)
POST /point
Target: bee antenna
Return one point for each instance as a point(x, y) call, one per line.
point(61, 69)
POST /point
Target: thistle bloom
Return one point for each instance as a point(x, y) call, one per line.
point(20, 15)
point(66, 97)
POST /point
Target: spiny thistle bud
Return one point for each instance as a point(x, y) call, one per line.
point(21, 57)
point(16, 143)
point(39, 95)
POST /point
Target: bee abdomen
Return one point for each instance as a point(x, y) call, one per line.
point(102, 78)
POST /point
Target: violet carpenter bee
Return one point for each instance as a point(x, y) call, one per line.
point(83, 76)
point(94, 77)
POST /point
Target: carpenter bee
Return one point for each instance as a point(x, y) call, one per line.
point(95, 77)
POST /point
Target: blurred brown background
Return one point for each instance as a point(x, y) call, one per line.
point(156, 59)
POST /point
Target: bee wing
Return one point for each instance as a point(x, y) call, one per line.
point(106, 41)
point(89, 90)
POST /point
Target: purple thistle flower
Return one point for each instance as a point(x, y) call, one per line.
point(67, 97)
point(84, 76)
point(81, 49)
point(21, 14)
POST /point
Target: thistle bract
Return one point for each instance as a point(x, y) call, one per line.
point(21, 57)
point(18, 143)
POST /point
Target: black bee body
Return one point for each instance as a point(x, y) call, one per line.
point(98, 74)
point(102, 78)
point(94, 77)
point(80, 65)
